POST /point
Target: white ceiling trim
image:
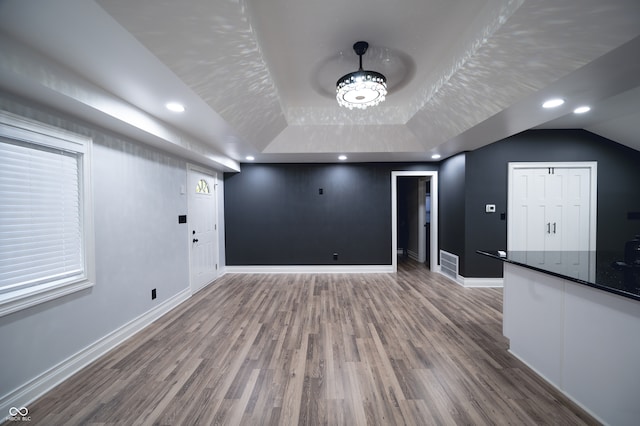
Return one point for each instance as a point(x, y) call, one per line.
point(345, 139)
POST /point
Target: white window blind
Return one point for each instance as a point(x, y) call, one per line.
point(46, 213)
point(40, 215)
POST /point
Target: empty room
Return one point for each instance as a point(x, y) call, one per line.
point(284, 212)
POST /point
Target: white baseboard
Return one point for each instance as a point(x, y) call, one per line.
point(38, 386)
point(476, 282)
point(222, 271)
point(457, 280)
point(482, 282)
point(310, 269)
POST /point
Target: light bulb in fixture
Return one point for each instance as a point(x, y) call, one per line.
point(175, 107)
point(582, 110)
point(553, 103)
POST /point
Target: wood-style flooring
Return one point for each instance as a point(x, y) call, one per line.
point(337, 349)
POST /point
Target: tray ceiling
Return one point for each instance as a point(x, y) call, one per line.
point(258, 78)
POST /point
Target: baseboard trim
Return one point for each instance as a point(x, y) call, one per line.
point(482, 282)
point(476, 282)
point(38, 386)
point(310, 269)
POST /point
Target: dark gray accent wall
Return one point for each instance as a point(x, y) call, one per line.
point(451, 206)
point(275, 214)
point(486, 183)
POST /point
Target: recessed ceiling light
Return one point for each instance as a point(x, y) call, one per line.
point(552, 103)
point(436, 156)
point(342, 157)
point(582, 109)
point(175, 107)
point(250, 157)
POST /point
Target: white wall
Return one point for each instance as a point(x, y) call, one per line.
point(139, 246)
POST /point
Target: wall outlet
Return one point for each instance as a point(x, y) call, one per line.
point(153, 294)
point(490, 208)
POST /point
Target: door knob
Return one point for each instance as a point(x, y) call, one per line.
point(195, 240)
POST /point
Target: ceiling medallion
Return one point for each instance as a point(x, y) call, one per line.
point(361, 89)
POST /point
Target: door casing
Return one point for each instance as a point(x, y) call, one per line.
point(212, 274)
point(433, 181)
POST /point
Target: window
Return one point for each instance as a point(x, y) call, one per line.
point(46, 222)
point(202, 187)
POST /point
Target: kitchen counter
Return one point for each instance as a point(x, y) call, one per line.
point(604, 270)
point(574, 318)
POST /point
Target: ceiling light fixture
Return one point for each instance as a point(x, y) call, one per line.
point(250, 157)
point(582, 110)
point(361, 89)
point(552, 103)
point(436, 156)
point(175, 107)
point(342, 157)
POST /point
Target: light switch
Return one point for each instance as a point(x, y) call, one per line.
point(490, 208)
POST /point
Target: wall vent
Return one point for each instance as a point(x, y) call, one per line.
point(449, 265)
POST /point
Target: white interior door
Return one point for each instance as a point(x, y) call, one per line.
point(202, 221)
point(528, 209)
point(552, 207)
point(577, 214)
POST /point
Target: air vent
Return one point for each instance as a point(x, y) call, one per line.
point(449, 265)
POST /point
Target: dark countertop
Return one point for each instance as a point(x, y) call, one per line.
point(604, 270)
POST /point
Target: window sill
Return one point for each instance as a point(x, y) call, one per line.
point(25, 298)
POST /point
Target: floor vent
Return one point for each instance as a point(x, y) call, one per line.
point(449, 265)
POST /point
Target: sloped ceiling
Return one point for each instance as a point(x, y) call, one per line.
point(258, 78)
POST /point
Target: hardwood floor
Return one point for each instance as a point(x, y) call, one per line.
point(411, 348)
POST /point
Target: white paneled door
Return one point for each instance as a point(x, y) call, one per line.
point(202, 221)
point(552, 206)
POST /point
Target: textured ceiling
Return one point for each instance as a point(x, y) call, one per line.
point(258, 77)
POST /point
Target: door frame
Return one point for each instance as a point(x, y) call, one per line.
point(422, 219)
point(433, 243)
point(593, 192)
point(199, 169)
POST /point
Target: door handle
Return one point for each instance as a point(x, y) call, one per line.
point(195, 240)
point(548, 227)
point(554, 227)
